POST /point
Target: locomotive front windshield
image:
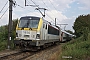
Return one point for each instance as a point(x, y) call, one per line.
point(28, 23)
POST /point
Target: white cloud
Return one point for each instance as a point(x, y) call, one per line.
point(60, 5)
point(56, 14)
point(28, 11)
point(85, 4)
point(64, 4)
point(83, 8)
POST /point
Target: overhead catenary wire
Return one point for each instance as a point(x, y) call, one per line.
point(37, 6)
point(40, 11)
point(29, 3)
point(23, 7)
point(20, 6)
point(3, 6)
point(53, 5)
point(8, 8)
point(49, 9)
point(50, 17)
point(45, 4)
point(4, 13)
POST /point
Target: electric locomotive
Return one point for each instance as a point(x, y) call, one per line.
point(34, 33)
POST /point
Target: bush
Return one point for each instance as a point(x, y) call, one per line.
point(3, 45)
point(78, 49)
point(4, 35)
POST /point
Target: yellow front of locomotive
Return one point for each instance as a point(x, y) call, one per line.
point(28, 30)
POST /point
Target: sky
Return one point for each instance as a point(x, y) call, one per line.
point(65, 11)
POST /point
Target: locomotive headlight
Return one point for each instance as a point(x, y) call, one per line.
point(38, 36)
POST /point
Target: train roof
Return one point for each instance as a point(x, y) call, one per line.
point(67, 33)
point(49, 23)
point(30, 17)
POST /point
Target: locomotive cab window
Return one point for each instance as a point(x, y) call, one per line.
point(29, 23)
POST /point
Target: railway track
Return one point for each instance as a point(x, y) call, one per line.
point(17, 56)
point(44, 54)
point(26, 54)
point(6, 56)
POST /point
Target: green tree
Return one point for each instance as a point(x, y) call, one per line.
point(85, 33)
point(4, 34)
point(80, 22)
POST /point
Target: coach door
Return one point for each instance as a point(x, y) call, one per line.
point(45, 31)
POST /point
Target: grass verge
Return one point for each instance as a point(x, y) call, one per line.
point(3, 45)
point(76, 50)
